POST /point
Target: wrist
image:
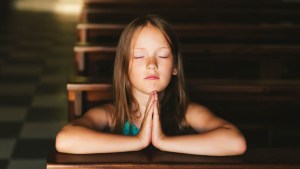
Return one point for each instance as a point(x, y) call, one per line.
point(141, 142)
point(161, 143)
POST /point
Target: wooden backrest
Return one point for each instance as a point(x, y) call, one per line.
point(84, 93)
point(208, 61)
point(232, 39)
point(234, 11)
point(201, 33)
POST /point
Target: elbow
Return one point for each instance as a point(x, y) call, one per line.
point(61, 142)
point(240, 146)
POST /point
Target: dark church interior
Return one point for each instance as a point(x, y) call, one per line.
point(241, 60)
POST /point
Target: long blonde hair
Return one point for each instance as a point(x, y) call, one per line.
point(174, 103)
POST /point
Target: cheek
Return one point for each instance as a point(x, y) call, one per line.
point(166, 68)
point(135, 70)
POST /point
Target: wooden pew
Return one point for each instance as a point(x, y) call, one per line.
point(201, 33)
point(84, 93)
point(151, 158)
point(265, 110)
point(193, 11)
point(254, 100)
point(251, 61)
point(231, 28)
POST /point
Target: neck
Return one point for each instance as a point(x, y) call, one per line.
point(142, 100)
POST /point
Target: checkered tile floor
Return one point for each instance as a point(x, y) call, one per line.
point(36, 58)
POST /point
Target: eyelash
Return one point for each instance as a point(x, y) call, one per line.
point(163, 57)
point(138, 57)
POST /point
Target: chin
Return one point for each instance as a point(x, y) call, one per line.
point(158, 90)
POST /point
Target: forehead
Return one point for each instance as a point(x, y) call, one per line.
point(149, 36)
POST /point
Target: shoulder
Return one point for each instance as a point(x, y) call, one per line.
point(100, 117)
point(201, 119)
point(198, 112)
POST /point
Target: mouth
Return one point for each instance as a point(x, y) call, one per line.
point(152, 77)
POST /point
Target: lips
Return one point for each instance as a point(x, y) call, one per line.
point(152, 77)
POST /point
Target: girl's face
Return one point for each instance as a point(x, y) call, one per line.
point(151, 61)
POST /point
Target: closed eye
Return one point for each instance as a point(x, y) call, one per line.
point(138, 57)
point(163, 56)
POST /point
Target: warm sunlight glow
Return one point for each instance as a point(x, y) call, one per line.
point(57, 6)
point(68, 6)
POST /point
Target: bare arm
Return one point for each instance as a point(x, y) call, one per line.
point(85, 136)
point(215, 136)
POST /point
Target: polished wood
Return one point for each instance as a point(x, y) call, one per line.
point(265, 158)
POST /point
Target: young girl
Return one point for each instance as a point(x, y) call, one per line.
point(150, 103)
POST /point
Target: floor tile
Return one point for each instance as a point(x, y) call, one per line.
point(15, 100)
point(54, 69)
point(27, 164)
point(10, 129)
point(40, 130)
point(15, 78)
point(19, 61)
point(15, 89)
point(44, 114)
point(32, 148)
point(55, 100)
point(54, 78)
point(4, 163)
point(22, 69)
point(48, 88)
point(27, 55)
point(6, 148)
point(12, 113)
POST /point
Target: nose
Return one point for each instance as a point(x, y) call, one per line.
point(152, 63)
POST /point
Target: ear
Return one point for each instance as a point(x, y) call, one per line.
point(174, 70)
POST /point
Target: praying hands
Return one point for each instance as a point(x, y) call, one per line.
point(151, 131)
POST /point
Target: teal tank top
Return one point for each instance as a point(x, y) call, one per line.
point(130, 129)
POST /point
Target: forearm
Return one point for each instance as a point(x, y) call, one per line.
point(219, 142)
point(81, 140)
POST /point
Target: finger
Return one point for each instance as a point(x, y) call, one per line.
point(149, 109)
point(156, 103)
point(155, 96)
point(155, 108)
point(149, 103)
point(150, 97)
